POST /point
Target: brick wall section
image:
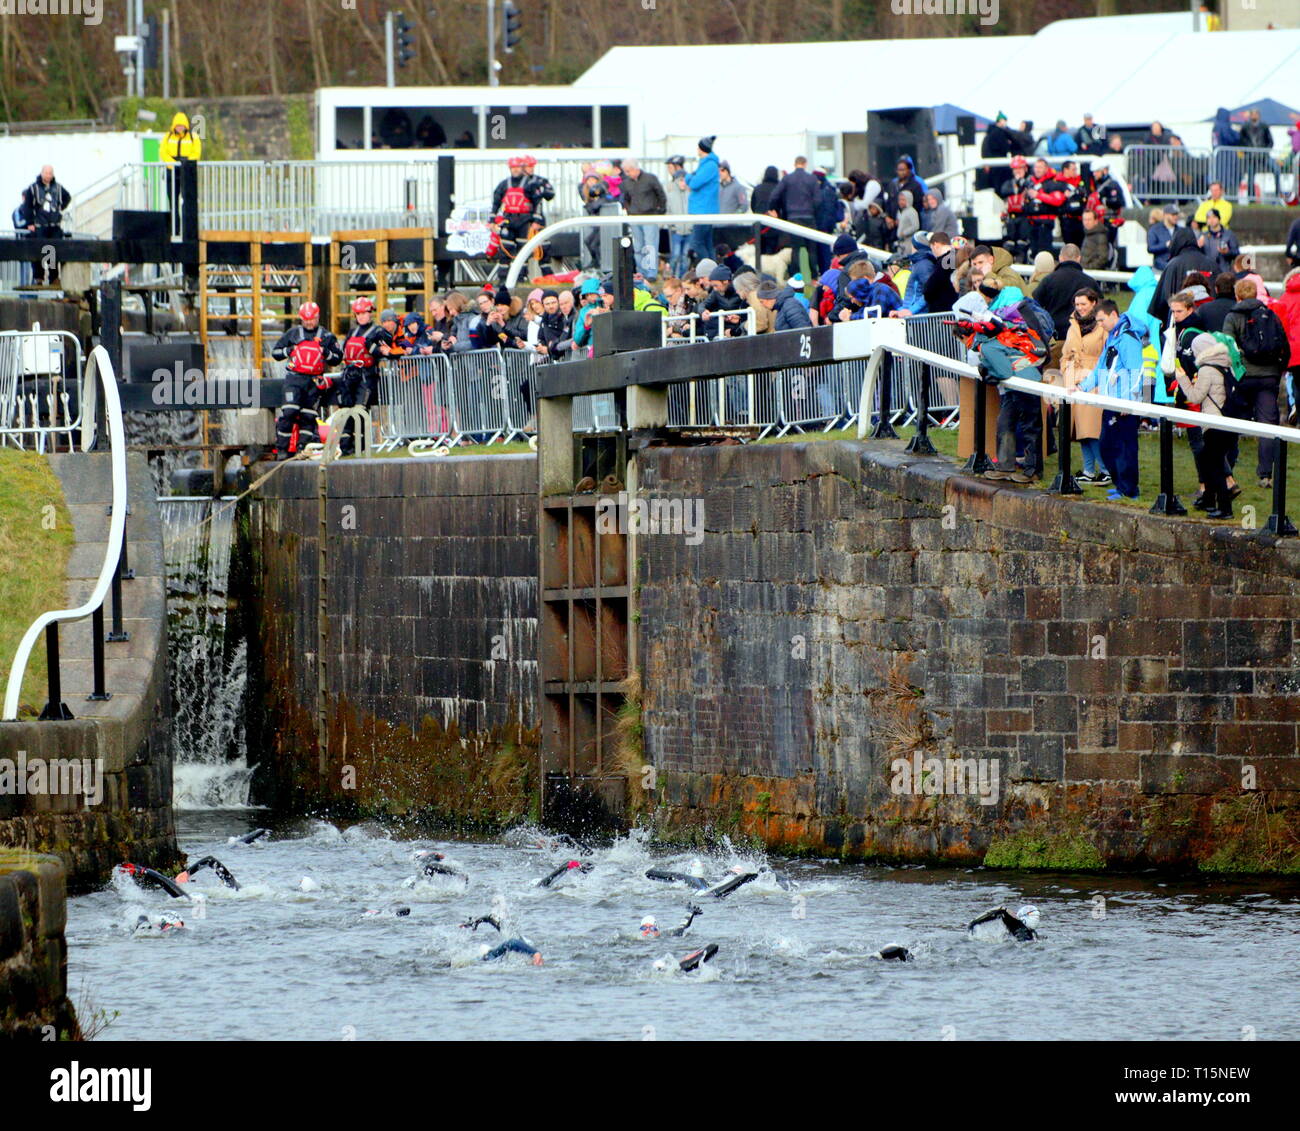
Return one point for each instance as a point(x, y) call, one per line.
point(431, 587)
point(1105, 659)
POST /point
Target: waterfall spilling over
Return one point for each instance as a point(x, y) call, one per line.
point(169, 431)
point(209, 668)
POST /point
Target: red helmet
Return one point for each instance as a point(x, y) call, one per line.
point(516, 161)
point(529, 160)
point(308, 310)
point(1019, 161)
point(360, 306)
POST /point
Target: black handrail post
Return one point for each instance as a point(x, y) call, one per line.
point(119, 634)
point(55, 708)
point(885, 428)
point(1167, 502)
point(1278, 523)
point(128, 574)
point(978, 462)
point(100, 694)
point(920, 443)
point(1064, 483)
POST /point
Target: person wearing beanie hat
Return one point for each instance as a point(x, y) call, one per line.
point(844, 245)
point(498, 327)
point(704, 185)
point(704, 268)
point(721, 297)
point(789, 312)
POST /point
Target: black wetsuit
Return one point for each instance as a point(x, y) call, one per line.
point(147, 877)
point(698, 958)
point(1015, 927)
point(223, 873)
point(893, 954)
point(248, 838)
point(667, 877)
point(563, 869)
point(691, 912)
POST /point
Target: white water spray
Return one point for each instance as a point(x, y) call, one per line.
point(209, 671)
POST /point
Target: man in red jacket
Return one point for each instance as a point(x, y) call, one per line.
point(1043, 202)
point(1015, 236)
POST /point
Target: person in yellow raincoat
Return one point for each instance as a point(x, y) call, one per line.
point(180, 144)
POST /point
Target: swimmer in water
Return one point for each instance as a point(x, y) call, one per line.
point(738, 879)
point(431, 864)
point(650, 929)
point(581, 867)
point(248, 838)
point(1001, 924)
point(692, 961)
point(666, 876)
point(222, 872)
point(147, 877)
point(163, 924)
point(516, 944)
point(371, 912)
point(893, 953)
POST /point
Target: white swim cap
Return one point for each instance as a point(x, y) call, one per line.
point(648, 921)
point(697, 867)
point(308, 884)
point(1028, 915)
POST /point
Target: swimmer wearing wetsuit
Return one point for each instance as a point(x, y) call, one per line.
point(650, 929)
point(1021, 926)
point(579, 866)
point(517, 944)
point(222, 872)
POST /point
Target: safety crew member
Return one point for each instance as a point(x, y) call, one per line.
point(308, 350)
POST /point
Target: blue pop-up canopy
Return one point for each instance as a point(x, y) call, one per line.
point(1271, 112)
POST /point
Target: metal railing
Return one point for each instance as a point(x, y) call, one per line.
point(30, 359)
point(1175, 172)
point(99, 373)
point(1064, 483)
point(320, 197)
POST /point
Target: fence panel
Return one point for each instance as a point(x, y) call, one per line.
point(40, 387)
point(478, 383)
point(416, 393)
point(928, 332)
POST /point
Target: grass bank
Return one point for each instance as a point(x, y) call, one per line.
point(36, 537)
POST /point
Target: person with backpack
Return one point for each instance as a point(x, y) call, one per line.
point(308, 349)
point(1211, 390)
point(1260, 335)
point(1119, 374)
point(1012, 340)
point(359, 384)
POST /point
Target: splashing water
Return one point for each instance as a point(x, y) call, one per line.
point(209, 671)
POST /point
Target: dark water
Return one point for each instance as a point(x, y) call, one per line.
point(1117, 959)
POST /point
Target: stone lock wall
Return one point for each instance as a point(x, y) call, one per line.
point(34, 1001)
point(397, 668)
point(849, 607)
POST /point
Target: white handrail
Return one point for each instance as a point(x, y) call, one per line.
point(721, 219)
point(100, 366)
point(1059, 393)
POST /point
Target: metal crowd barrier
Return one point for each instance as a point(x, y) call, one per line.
point(28, 360)
point(1174, 172)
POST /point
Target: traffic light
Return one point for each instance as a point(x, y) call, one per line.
point(510, 22)
point(405, 33)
